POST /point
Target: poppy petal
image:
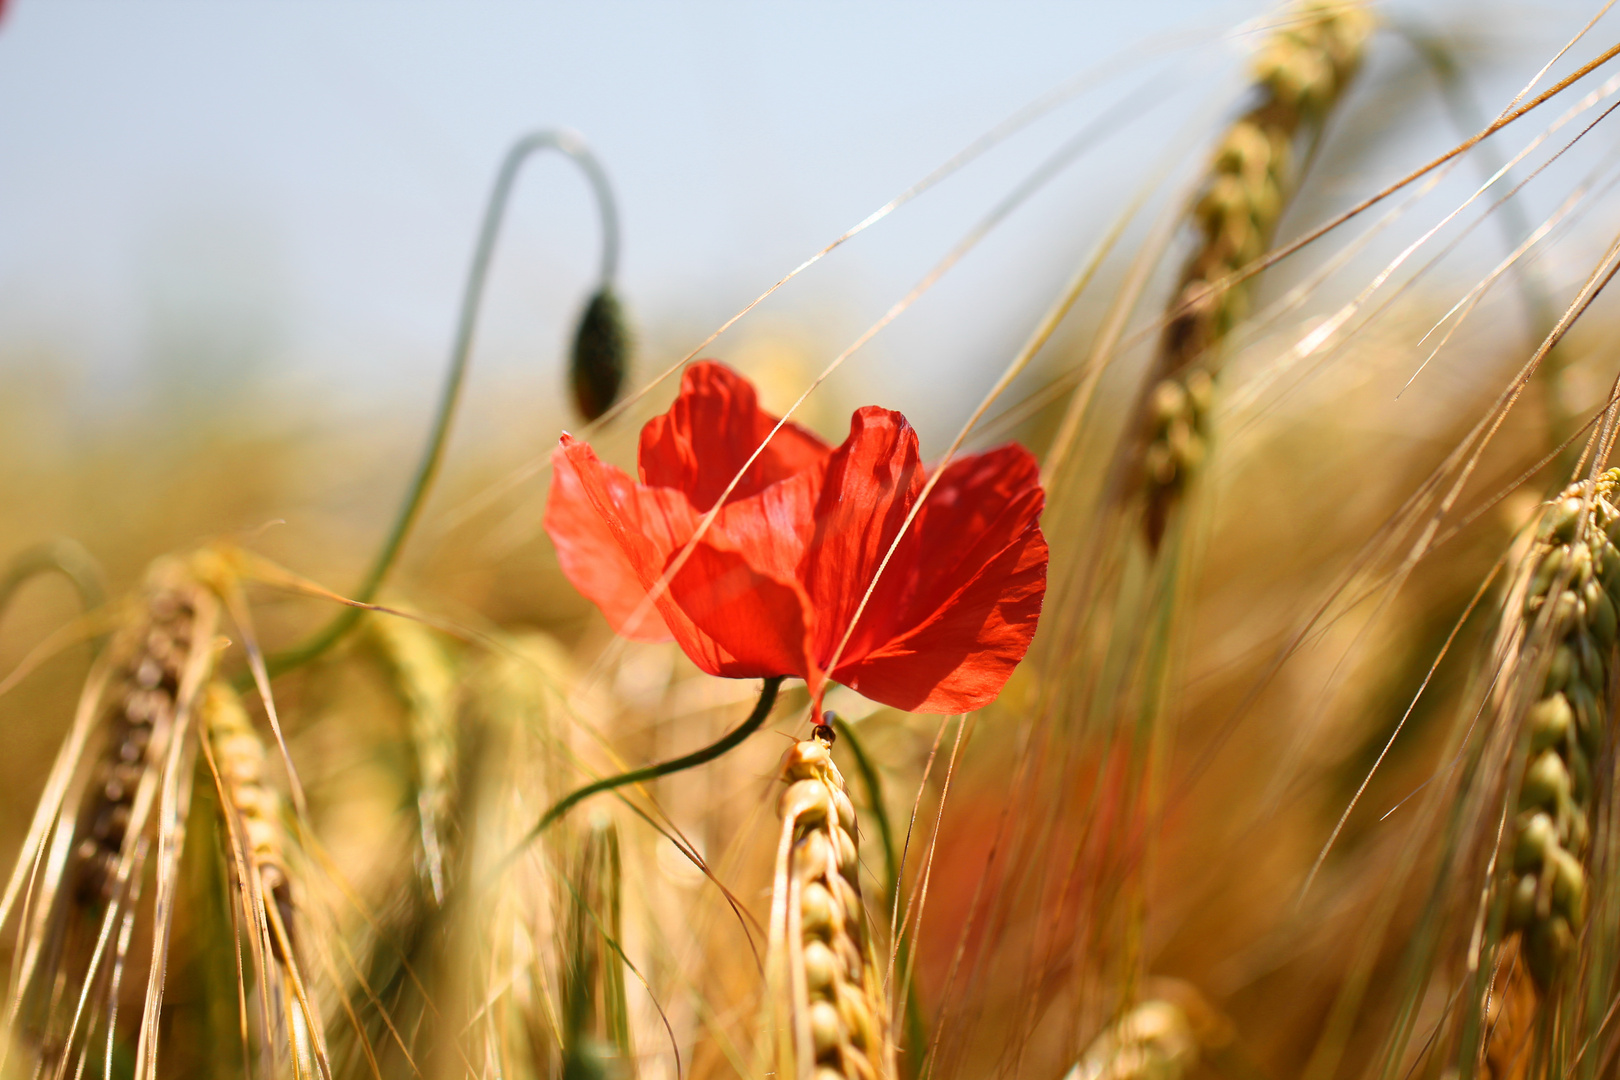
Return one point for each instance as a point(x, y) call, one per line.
point(614, 539)
point(871, 483)
point(711, 430)
point(945, 636)
point(757, 619)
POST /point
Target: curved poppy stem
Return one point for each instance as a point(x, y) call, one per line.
point(63, 556)
point(756, 719)
point(570, 144)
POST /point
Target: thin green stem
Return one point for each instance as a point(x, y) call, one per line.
point(756, 719)
point(574, 147)
point(874, 796)
point(63, 556)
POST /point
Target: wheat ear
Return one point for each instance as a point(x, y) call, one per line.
point(82, 865)
point(262, 881)
point(830, 1006)
point(427, 682)
point(1300, 74)
point(1567, 642)
point(1167, 1035)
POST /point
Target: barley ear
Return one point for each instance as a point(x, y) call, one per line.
point(829, 1008)
point(1567, 651)
point(262, 879)
point(1300, 73)
point(427, 682)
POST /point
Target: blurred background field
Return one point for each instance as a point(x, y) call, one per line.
point(232, 240)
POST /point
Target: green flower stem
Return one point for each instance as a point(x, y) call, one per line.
point(756, 719)
point(574, 147)
point(874, 796)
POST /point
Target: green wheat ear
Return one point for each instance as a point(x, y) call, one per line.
point(600, 357)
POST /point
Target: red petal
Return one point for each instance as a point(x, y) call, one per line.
point(758, 620)
point(871, 483)
point(706, 436)
point(945, 632)
point(613, 540)
point(590, 518)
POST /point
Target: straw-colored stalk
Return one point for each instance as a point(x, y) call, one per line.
point(1300, 74)
point(830, 1009)
point(261, 879)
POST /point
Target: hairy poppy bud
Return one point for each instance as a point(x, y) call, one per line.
point(601, 354)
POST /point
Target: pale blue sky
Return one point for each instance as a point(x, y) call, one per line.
point(308, 176)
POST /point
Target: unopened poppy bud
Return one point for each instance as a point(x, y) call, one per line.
point(1551, 720)
point(601, 354)
point(1536, 837)
point(1546, 782)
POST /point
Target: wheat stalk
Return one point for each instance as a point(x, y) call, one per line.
point(1300, 74)
point(830, 1006)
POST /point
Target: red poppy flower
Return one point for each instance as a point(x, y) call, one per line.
point(772, 586)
